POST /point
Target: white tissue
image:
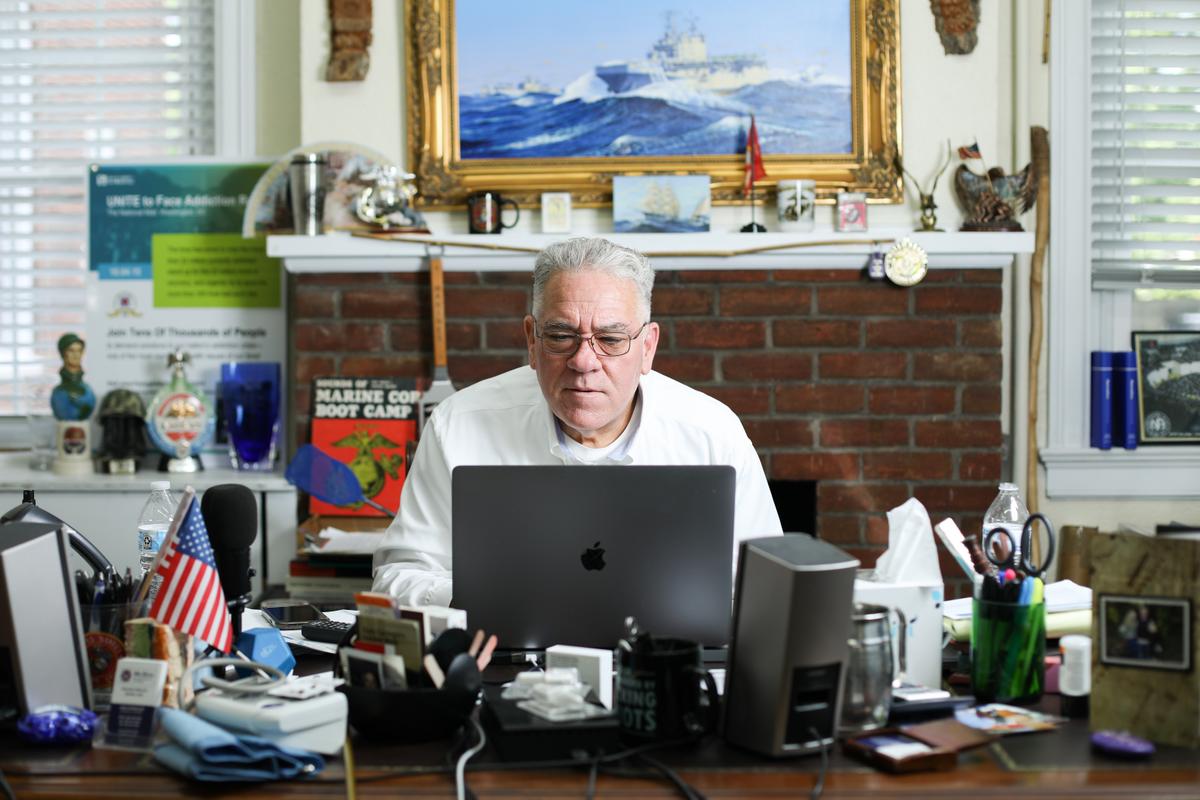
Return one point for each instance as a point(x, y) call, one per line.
point(911, 555)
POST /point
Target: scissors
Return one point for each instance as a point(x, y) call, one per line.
point(1011, 554)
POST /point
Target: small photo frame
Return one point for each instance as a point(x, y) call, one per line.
point(556, 212)
point(1168, 375)
point(1146, 632)
point(661, 203)
point(851, 214)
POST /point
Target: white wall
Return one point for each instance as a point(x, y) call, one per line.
point(368, 112)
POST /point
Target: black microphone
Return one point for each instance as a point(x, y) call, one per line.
point(231, 516)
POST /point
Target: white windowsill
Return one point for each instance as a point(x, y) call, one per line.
point(342, 252)
point(1149, 471)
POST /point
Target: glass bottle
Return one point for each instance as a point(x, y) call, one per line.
point(180, 418)
point(1007, 511)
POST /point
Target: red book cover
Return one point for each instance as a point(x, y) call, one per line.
point(366, 423)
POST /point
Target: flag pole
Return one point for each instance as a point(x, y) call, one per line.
point(754, 170)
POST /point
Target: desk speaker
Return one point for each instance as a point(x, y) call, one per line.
point(43, 660)
point(791, 623)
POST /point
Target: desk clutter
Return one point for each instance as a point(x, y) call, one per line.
point(796, 682)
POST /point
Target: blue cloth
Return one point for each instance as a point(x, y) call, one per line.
point(200, 750)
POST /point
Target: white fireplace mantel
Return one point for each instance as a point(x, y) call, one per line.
point(343, 252)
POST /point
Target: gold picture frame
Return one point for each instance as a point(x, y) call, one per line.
point(445, 179)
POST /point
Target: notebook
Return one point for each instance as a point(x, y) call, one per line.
point(563, 554)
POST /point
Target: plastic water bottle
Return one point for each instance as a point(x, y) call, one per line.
point(152, 529)
point(1007, 511)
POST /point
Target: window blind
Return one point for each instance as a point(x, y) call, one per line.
point(82, 81)
point(1145, 147)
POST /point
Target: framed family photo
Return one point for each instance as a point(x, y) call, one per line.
point(1168, 376)
point(544, 96)
point(1150, 632)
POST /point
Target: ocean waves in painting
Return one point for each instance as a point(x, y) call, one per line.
point(657, 118)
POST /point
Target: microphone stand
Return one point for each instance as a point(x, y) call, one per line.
point(236, 606)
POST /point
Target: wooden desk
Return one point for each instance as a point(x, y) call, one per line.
point(1044, 765)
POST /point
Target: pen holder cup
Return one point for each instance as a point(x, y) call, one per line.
point(104, 637)
point(407, 715)
point(1008, 651)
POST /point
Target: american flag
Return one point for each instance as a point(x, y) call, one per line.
point(190, 598)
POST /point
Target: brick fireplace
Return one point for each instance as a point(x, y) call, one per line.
point(875, 392)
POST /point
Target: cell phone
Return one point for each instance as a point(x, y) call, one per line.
point(290, 615)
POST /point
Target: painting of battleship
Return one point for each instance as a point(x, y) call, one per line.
point(661, 203)
point(625, 78)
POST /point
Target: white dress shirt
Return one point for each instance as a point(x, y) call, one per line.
point(506, 420)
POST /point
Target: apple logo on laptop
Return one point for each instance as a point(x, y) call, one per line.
point(593, 557)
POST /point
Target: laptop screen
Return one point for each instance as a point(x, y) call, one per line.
point(563, 554)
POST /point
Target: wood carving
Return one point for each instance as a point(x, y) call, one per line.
point(350, 32)
point(956, 21)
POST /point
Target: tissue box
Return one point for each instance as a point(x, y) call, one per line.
point(921, 604)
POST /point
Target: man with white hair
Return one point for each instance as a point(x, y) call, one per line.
point(590, 397)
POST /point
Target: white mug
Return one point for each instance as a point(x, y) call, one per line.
point(796, 202)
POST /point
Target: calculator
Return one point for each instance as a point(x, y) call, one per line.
point(326, 630)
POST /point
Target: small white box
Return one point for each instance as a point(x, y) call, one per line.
point(921, 604)
point(595, 667)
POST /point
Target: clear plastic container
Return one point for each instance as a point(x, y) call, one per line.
point(153, 524)
point(1007, 511)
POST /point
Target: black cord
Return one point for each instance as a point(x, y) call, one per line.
point(593, 768)
point(4, 787)
point(684, 788)
point(819, 786)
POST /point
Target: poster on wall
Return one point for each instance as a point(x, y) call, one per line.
point(168, 269)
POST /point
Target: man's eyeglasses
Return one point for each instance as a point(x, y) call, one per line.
point(559, 342)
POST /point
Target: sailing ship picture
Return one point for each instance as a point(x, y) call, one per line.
point(564, 80)
point(660, 203)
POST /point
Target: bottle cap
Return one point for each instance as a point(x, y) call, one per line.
point(160, 485)
point(1008, 487)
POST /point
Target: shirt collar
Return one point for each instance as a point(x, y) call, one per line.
point(619, 455)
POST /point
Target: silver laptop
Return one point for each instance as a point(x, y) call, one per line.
point(563, 554)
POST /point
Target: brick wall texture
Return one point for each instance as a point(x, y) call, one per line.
point(877, 392)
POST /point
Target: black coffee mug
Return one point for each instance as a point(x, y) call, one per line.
point(658, 691)
point(484, 212)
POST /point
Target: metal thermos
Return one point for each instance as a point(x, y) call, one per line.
point(306, 176)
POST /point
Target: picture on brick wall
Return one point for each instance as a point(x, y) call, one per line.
point(1168, 372)
point(542, 95)
point(367, 424)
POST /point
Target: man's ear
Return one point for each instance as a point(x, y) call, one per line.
point(531, 340)
point(649, 346)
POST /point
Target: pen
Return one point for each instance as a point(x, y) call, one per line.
point(97, 599)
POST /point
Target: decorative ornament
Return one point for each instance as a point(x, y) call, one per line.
point(875, 266)
point(928, 207)
point(350, 31)
point(180, 419)
point(906, 263)
point(955, 21)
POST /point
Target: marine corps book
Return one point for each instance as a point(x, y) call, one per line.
point(367, 424)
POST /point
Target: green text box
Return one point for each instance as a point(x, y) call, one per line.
point(213, 270)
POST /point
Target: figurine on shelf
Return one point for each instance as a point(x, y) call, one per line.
point(993, 200)
point(928, 207)
point(123, 416)
point(387, 203)
point(180, 420)
point(72, 402)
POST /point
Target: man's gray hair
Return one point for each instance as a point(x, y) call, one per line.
point(593, 253)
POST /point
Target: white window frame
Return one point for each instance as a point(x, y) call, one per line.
point(236, 123)
point(1082, 319)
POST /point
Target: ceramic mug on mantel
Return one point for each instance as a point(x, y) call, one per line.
point(484, 212)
